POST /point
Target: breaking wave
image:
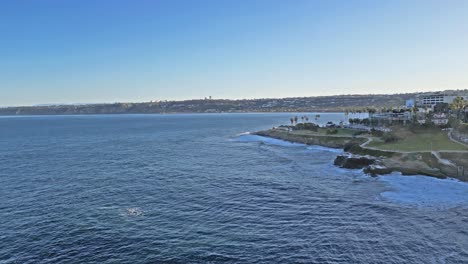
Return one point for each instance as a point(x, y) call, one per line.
point(271, 141)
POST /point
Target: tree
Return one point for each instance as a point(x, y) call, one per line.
point(457, 105)
point(464, 111)
point(359, 111)
point(441, 108)
point(371, 112)
point(414, 112)
point(365, 121)
point(292, 121)
point(425, 112)
point(295, 119)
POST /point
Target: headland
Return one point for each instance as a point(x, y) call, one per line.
point(368, 150)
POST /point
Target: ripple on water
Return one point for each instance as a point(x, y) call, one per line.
point(173, 189)
point(425, 191)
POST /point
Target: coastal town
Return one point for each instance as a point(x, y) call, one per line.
point(358, 103)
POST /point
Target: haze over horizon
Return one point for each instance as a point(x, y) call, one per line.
point(135, 51)
point(214, 98)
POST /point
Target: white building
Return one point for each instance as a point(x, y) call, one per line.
point(433, 99)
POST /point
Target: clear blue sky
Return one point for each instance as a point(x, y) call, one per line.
point(112, 50)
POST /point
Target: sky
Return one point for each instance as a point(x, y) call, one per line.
point(88, 51)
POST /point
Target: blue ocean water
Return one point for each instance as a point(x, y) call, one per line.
point(197, 189)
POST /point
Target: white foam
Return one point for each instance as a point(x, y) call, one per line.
point(266, 140)
point(425, 191)
point(134, 211)
point(320, 148)
point(243, 134)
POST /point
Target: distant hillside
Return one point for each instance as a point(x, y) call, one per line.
point(299, 104)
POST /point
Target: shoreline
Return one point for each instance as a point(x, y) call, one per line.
point(377, 162)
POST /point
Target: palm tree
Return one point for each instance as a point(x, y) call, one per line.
point(370, 112)
point(414, 111)
point(425, 111)
point(292, 121)
point(457, 105)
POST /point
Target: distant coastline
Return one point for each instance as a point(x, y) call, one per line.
point(338, 103)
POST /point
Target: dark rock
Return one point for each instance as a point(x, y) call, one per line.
point(340, 160)
point(353, 162)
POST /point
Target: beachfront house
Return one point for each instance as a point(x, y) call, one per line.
point(440, 119)
point(392, 117)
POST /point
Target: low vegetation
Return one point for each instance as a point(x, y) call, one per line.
point(329, 131)
point(402, 139)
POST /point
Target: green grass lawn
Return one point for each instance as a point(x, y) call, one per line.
point(323, 132)
point(420, 142)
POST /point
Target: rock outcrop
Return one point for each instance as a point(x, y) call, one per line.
point(376, 169)
point(353, 162)
point(370, 165)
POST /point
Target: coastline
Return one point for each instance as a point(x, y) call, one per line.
point(378, 162)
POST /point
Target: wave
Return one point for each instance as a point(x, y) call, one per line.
point(320, 148)
point(271, 141)
point(425, 191)
point(243, 134)
point(420, 191)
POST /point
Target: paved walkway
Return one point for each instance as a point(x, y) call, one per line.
point(454, 140)
point(369, 139)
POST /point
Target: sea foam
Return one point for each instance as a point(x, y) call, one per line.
point(316, 148)
point(266, 140)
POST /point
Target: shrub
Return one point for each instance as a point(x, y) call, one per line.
point(376, 133)
point(332, 131)
point(463, 128)
point(365, 121)
point(390, 137)
point(306, 126)
point(357, 133)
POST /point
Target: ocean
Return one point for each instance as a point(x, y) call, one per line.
point(198, 188)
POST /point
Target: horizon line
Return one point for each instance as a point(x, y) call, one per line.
point(225, 99)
